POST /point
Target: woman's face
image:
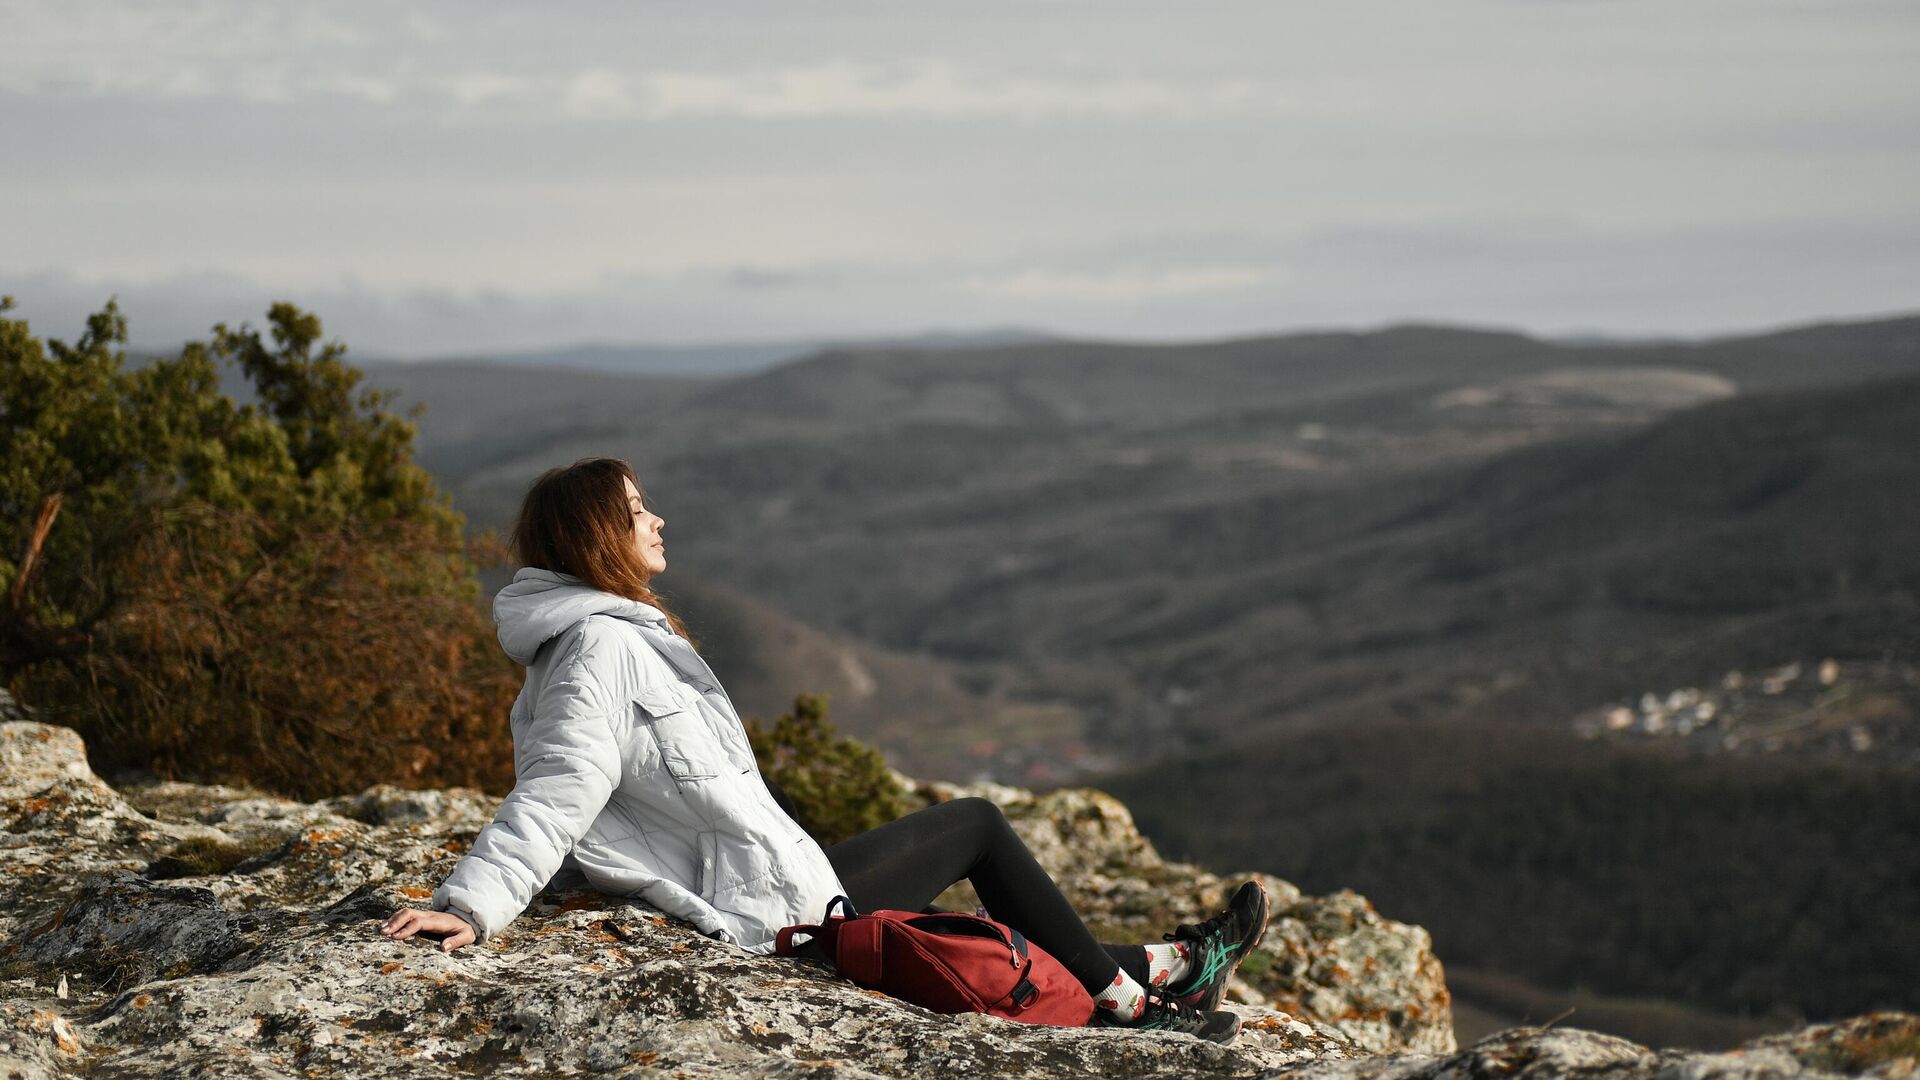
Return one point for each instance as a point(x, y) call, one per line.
point(646, 531)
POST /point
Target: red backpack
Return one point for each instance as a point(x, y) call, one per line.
point(947, 963)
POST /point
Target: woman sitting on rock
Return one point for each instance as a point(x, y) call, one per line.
point(668, 805)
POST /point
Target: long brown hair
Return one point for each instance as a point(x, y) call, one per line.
point(576, 520)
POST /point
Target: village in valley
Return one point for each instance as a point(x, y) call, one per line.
point(1856, 708)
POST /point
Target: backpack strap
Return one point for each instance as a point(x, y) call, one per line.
point(818, 938)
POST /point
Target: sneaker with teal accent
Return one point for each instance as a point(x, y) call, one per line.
point(1216, 947)
point(1167, 1014)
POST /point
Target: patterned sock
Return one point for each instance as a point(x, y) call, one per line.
point(1123, 998)
point(1168, 963)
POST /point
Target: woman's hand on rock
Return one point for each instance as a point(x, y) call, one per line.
point(407, 922)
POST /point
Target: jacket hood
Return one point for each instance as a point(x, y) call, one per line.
point(538, 604)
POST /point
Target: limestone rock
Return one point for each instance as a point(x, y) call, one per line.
point(170, 929)
point(1883, 1046)
point(202, 927)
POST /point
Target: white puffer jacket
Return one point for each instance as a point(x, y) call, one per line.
point(632, 767)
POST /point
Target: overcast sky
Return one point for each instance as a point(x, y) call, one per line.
point(473, 177)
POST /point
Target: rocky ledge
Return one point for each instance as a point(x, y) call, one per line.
point(170, 928)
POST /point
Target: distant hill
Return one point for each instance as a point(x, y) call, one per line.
point(1821, 354)
point(1175, 543)
point(1084, 381)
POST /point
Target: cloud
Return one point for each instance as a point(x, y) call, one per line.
point(487, 58)
point(938, 88)
point(927, 88)
point(184, 50)
point(481, 88)
point(1123, 282)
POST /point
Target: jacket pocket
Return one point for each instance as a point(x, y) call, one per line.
point(688, 749)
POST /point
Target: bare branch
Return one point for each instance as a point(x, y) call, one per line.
point(42, 522)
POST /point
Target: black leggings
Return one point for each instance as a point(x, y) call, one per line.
point(905, 864)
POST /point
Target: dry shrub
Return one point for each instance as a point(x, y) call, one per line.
point(306, 661)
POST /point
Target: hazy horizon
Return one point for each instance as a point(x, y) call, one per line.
point(451, 179)
point(930, 336)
